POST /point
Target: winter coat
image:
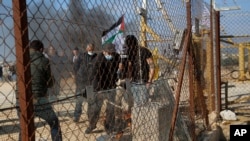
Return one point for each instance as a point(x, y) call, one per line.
point(41, 77)
point(105, 72)
point(84, 74)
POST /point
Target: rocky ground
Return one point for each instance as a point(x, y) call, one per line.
point(239, 103)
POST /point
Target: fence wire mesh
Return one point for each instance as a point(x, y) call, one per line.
point(63, 26)
point(235, 59)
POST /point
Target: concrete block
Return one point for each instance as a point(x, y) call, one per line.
point(151, 122)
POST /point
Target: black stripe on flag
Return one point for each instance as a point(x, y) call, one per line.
point(113, 26)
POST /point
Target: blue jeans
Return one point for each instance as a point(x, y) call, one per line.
point(45, 111)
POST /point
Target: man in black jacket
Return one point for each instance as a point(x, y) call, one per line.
point(84, 78)
point(40, 82)
point(141, 69)
point(104, 84)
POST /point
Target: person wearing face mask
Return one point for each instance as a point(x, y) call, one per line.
point(83, 78)
point(104, 84)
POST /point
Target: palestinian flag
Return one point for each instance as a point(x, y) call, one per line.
point(115, 35)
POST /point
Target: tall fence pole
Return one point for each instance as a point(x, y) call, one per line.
point(23, 70)
point(182, 69)
point(211, 61)
point(191, 89)
point(218, 68)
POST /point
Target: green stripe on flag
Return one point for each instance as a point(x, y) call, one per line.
point(114, 35)
point(111, 39)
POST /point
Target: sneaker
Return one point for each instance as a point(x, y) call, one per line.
point(89, 129)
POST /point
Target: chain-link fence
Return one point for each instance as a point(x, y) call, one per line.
point(235, 59)
point(70, 25)
point(222, 78)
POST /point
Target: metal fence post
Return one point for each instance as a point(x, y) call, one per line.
point(217, 65)
point(23, 70)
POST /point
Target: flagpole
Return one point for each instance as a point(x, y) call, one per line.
point(143, 39)
point(143, 23)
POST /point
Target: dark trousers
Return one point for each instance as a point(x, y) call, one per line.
point(45, 111)
point(94, 109)
point(54, 91)
point(81, 95)
point(78, 108)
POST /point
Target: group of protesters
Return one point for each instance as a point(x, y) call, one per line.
point(100, 78)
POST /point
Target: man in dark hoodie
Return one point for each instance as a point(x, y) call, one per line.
point(84, 78)
point(104, 84)
point(40, 82)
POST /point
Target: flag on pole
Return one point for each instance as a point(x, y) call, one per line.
point(115, 35)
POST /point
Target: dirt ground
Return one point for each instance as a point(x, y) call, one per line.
point(9, 123)
point(239, 102)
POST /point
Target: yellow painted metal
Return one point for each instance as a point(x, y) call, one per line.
point(248, 61)
point(165, 16)
point(143, 42)
point(155, 58)
point(241, 62)
point(241, 47)
point(143, 39)
point(146, 29)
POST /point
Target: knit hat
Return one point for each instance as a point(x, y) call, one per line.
point(109, 47)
